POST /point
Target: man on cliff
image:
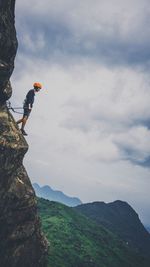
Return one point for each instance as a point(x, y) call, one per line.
point(28, 104)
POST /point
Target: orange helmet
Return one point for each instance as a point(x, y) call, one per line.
point(38, 85)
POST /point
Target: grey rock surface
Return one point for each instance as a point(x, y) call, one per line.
point(22, 243)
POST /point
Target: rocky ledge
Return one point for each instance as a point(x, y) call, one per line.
point(22, 243)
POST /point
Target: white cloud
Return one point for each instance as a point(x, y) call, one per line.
point(90, 121)
point(99, 110)
point(136, 139)
point(85, 113)
point(94, 18)
point(33, 43)
point(108, 115)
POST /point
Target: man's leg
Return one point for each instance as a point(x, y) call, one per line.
point(24, 120)
point(20, 121)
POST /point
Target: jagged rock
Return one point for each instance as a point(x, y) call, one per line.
point(8, 46)
point(22, 243)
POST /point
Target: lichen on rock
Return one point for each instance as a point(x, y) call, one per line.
point(22, 243)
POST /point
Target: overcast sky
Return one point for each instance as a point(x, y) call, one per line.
point(89, 131)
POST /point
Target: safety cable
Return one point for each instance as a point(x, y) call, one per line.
point(8, 103)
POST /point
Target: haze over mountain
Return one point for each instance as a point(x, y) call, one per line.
point(47, 192)
point(148, 228)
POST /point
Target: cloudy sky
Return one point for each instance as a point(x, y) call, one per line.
point(89, 131)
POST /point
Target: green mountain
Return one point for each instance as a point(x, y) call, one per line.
point(120, 218)
point(76, 241)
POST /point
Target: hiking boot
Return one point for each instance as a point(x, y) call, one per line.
point(23, 132)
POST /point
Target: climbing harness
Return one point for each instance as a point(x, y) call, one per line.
point(12, 108)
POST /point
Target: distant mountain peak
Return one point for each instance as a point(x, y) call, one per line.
point(47, 192)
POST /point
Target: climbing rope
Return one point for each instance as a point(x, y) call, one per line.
point(12, 108)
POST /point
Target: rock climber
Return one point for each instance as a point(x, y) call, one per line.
point(28, 104)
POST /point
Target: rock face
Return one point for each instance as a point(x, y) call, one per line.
point(22, 243)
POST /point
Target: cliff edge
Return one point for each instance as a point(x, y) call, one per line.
point(21, 240)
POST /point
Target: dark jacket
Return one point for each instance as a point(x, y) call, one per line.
point(29, 99)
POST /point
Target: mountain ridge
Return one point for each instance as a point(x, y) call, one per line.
point(78, 241)
point(47, 192)
point(120, 218)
